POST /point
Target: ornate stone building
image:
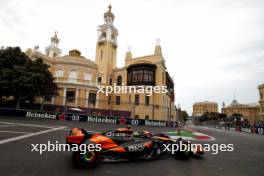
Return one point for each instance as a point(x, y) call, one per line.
point(200, 108)
point(250, 112)
point(78, 77)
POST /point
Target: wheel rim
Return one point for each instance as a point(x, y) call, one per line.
point(88, 156)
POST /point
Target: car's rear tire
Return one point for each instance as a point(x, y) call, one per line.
point(87, 160)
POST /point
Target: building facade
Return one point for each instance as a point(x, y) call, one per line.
point(249, 112)
point(261, 101)
point(78, 78)
point(200, 108)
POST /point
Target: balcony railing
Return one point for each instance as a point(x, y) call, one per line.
point(75, 81)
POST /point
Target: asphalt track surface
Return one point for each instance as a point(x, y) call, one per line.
point(17, 159)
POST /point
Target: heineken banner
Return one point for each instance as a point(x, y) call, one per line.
point(114, 120)
point(102, 119)
point(41, 115)
point(129, 121)
point(85, 118)
point(74, 117)
point(155, 123)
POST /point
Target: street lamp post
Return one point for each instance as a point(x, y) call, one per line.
point(235, 120)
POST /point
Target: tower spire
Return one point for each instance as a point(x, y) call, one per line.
point(107, 31)
point(53, 50)
point(158, 50)
point(234, 96)
point(54, 41)
point(128, 54)
point(109, 8)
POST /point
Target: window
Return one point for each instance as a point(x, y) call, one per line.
point(147, 100)
point(110, 81)
point(136, 117)
point(103, 36)
point(101, 55)
point(109, 100)
point(146, 117)
point(119, 80)
point(47, 98)
point(129, 99)
point(141, 74)
point(87, 76)
point(136, 99)
point(59, 73)
point(73, 76)
point(117, 100)
point(70, 96)
point(162, 74)
point(99, 79)
point(92, 98)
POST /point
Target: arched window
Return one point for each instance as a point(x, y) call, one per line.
point(73, 76)
point(119, 80)
point(59, 73)
point(87, 76)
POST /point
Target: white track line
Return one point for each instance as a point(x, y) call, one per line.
point(15, 132)
point(7, 126)
point(29, 125)
point(29, 135)
point(185, 138)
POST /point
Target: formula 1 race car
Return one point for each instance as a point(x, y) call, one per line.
point(123, 145)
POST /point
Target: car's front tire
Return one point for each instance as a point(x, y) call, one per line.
point(155, 152)
point(184, 155)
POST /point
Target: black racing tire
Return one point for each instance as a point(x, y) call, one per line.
point(87, 160)
point(155, 152)
point(182, 155)
point(195, 156)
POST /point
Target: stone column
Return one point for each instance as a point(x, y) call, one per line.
point(77, 96)
point(86, 97)
point(52, 100)
point(97, 100)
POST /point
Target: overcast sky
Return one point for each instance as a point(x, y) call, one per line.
point(213, 48)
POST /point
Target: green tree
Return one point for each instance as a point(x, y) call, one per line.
point(212, 116)
point(9, 58)
point(236, 115)
point(183, 116)
point(23, 78)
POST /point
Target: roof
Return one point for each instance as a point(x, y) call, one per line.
point(235, 103)
point(205, 102)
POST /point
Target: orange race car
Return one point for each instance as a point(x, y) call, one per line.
point(122, 145)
